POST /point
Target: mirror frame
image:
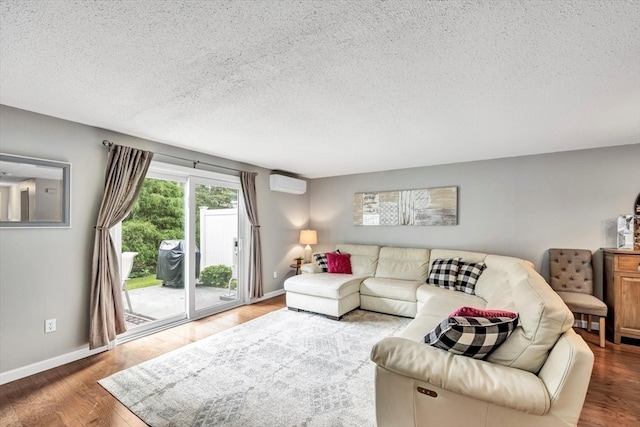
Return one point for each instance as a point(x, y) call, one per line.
point(65, 168)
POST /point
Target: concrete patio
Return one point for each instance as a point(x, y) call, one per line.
point(159, 302)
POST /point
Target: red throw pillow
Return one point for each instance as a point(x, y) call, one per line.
point(478, 312)
point(339, 263)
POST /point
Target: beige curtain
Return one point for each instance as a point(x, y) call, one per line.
point(248, 181)
point(126, 170)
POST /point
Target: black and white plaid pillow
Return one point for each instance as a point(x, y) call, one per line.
point(444, 273)
point(474, 337)
point(321, 260)
point(468, 273)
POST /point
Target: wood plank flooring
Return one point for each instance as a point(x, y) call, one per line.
point(70, 395)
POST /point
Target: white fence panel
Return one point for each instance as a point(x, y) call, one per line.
point(218, 233)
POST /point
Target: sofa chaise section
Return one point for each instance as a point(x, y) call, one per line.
point(333, 294)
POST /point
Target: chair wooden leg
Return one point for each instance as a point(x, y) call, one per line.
point(602, 331)
point(589, 323)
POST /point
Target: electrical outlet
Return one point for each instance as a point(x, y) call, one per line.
point(49, 325)
point(275, 274)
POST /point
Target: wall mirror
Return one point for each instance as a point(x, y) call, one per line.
point(34, 192)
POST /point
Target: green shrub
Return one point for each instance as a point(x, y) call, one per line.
point(216, 275)
point(144, 238)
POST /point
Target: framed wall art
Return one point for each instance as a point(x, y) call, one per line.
point(427, 206)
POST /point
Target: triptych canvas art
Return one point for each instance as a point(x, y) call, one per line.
point(427, 206)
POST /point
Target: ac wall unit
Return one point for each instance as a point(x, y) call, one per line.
point(286, 184)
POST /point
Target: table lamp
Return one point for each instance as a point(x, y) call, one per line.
point(308, 237)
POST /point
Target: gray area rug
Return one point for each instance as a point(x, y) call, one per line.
point(283, 369)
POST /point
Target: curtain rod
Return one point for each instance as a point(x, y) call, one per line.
point(108, 144)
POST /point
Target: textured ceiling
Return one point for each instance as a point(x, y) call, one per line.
point(323, 88)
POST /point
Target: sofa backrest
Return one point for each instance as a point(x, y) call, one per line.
point(364, 258)
point(493, 285)
point(403, 263)
point(543, 316)
point(466, 256)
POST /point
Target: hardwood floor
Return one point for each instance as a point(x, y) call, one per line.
point(70, 395)
point(613, 398)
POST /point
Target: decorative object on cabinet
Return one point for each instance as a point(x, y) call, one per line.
point(571, 276)
point(625, 231)
point(427, 206)
point(622, 292)
point(636, 230)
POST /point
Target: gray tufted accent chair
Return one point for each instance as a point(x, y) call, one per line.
point(571, 276)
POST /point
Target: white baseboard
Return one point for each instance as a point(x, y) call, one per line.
point(44, 365)
point(582, 324)
point(267, 296)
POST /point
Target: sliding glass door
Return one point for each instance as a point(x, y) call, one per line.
point(182, 248)
point(217, 242)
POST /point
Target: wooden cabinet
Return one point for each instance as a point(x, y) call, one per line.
point(622, 292)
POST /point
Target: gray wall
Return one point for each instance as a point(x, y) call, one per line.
point(519, 206)
point(45, 273)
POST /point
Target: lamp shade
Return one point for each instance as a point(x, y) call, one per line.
point(308, 237)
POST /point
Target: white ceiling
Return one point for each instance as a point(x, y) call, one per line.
point(324, 88)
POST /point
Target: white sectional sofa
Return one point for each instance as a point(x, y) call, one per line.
point(538, 377)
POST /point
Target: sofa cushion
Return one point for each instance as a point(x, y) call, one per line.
point(465, 256)
point(468, 274)
point(338, 263)
point(444, 273)
point(491, 283)
point(364, 258)
point(403, 263)
point(327, 285)
point(403, 290)
point(311, 268)
point(441, 301)
point(474, 337)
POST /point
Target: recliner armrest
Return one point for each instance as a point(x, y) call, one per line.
point(490, 382)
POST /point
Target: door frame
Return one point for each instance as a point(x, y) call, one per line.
point(190, 177)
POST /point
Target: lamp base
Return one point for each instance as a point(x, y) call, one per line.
point(307, 254)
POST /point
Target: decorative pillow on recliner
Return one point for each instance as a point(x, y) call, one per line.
point(468, 273)
point(474, 337)
point(321, 260)
point(467, 311)
point(339, 263)
point(444, 273)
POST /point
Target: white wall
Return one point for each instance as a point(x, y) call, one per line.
point(519, 206)
point(45, 273)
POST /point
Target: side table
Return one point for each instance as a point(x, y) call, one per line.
point(297, 267)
